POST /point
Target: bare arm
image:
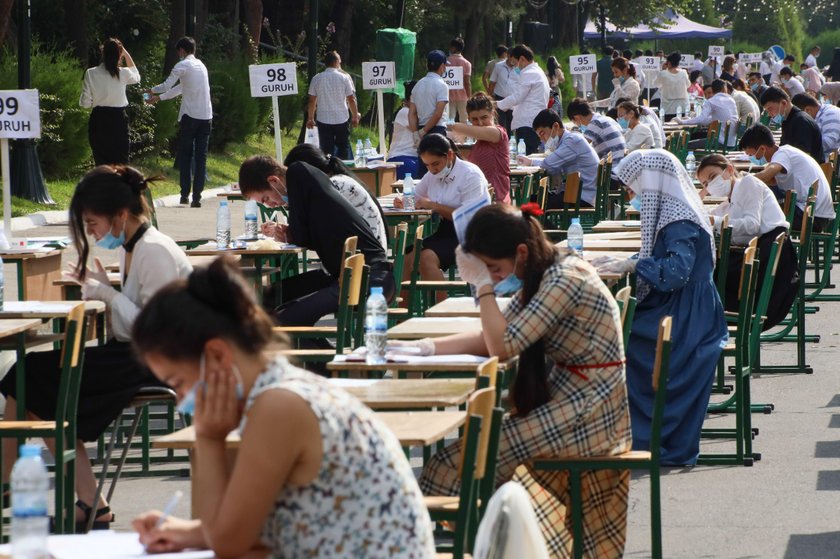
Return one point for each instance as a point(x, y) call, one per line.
point(493, 323)
point(471, 343)
point(354, 110)
point(491, 87)
point(413, 123)
point(310, 111)
point(129, 62)
point(487, 133)
point(468, 85)
point(768, 175)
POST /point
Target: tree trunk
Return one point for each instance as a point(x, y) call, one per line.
point(565, 27)
point(75, 21)
point(342, 16)
point(177, 29)
point(5, 19)
point(202, 13)
point(253, 17)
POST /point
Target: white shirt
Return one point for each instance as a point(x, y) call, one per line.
point(101, 89)
point(746, 106)
point(427, 93)
point(194, 88)
point(721, 107)
point(361, 200)
point(799, 173)
point(752, 209)
point(812, 80)
point(764, 68)
point(505, 79)
point(774, 74)
point(332, 87)
point(529, 97)
point(650, 118)
point(640, 137)
point(697, 65)
point(464, 183)
point(673, 89)
point(402, 141)
point(630, 89)
point(156, 262)
point(793, 86)
point(810, 61)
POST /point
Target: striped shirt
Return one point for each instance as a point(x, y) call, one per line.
point(606, 137)
point(828, 119)
point(574, 154)
point(332, 87)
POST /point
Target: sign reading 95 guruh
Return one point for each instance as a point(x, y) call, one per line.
point(378, 75)
point(20, 115)
point(582, 64)
point(268, 80)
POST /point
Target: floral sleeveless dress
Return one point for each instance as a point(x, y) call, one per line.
point(365, 501)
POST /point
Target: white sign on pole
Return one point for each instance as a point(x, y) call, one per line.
point(20, 118)
point(582, 64)
point(454, 77)
point(378, 75)
point(650, 63)
point(715, 50)
point(755, 57)
point(745, 58)
point(272, 80)
point(686, 61)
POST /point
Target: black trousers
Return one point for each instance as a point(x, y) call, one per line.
point(195, 138)
point(334, 139)
point(532, 141)
point(108, 135)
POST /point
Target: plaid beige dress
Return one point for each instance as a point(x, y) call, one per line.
point(577, 319)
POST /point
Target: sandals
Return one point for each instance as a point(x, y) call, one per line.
point(81, 525)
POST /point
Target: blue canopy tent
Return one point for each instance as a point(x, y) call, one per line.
point(673, 26)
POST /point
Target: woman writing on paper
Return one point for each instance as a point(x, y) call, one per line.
point(563, 314)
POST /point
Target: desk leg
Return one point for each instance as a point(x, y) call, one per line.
point(20, 381)
point(20, 280)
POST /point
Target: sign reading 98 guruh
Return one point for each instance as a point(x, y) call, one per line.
point(268, 80)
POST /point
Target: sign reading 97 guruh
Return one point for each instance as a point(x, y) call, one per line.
point(20, 115)
point(268, 80)
point(378, 75)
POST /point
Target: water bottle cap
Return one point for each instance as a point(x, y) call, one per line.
point(30, 450)
point(576, 220)
point(376, 291)
point(223, 203)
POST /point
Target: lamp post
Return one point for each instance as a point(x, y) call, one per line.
point(312, 63)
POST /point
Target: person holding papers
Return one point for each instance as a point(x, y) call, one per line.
point(450, 183)
point(317, 474)
point(569, 396)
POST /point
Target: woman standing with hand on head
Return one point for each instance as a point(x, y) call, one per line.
point(109, 205)
point(104, 91)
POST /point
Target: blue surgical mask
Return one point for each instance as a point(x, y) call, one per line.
point(283, 197)
point(518, 70)
point(754, 87)
point(636, 203)
point(755, 161)
point(777, 119)
point(582, 128)
point(511, 284)
point(624, 123)
point(621, 79)
point(110, 242)
point(187, 404)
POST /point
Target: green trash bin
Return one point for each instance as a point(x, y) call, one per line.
point(397, 45)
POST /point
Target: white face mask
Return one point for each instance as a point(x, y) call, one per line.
point(719, 186)
point(552, 143)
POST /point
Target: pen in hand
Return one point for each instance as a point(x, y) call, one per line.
point(169, 508)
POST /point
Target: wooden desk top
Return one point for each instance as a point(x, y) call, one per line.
point(43, 310)
point(244, 252)
point(409, 393)
point(13, 326)
point(113, 278)
point(433, 327)
point(412, 428)
point(523, 171)
point(619, 245)
point(617, 226)
point(461, 306)
point(28, 254)
point(467, 366)
point(196, 261)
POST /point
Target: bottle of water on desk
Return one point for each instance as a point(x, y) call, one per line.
point(223, 225)
point(575, 236)
point(251, 219)
point(690, 164)
point(376, 326)
point(30, 490)
point(679, 111)
point(512, 150)
point(369, 148)
point(361, 158)
point(408, 192)
point(520, 148)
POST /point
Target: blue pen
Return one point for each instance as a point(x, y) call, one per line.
point(169, 508)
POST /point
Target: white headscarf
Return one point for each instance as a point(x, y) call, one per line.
point(667, 195)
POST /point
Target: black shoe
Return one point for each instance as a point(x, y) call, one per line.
point(195, 204)
point(184, 200)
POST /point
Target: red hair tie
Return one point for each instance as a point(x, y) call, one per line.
point(532, 209)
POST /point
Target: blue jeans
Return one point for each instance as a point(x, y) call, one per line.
point(195, 137)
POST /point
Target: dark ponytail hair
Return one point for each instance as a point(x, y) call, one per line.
point(105, 191)
point(437, 144)
point(111, 52)
point(214, 302)
point(495, 231)
point(313, 155)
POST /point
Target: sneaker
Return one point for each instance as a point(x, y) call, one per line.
point(184, 201)
point(195, 204)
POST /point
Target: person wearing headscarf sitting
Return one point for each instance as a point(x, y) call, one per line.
point(674, 277)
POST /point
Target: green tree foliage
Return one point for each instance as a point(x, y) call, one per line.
point(767, 21)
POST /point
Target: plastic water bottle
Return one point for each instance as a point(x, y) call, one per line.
point(376, 326)
point(361, 158)
point(512, 150)
point(679, 112)
point(408, 192)
point(250, 219)
point(520, 148)
point(690, 164)
point(369, 148)
point(30, 490)
point(662, 113)
point(575, 236)
point(223, 225)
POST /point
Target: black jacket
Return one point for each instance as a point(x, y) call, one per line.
point(801, 131)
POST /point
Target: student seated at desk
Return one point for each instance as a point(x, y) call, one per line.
point(320, 219)
point(753, 212)
point(109, 205)
point(346, 183)
point(563, 314)
point(450, 183)
point(316, 473)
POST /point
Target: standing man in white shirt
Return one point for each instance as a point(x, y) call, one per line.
point(811, 59)
point(529, 97)
point(721, 107)
point(196, 116)
point(333, 94)
point(429, 101)
point(503, 83)
point(501, 56)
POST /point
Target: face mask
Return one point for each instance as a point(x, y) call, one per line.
point(110, 242)
point(552, 143)
point(187, 405)
point(754, 87)
point(582, 128)
point(282, 196)
point(445, 171)
point(518, 70)
point(636, 203)
point(719, 186)
point(624, 123)
point(756, 161)
point(621, 79)
point(784, 81)
point(511, 284)
point(777, 119)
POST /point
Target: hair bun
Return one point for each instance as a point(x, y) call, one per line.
point(133, 178)
point(220, 286)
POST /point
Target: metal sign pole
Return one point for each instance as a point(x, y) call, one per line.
point(381, 120)
point(7, 188)
point(278, 141)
